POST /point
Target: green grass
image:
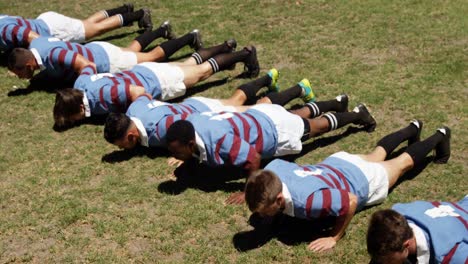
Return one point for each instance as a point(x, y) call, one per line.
point(61, 203)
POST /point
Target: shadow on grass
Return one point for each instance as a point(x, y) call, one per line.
point(41, 83)
point(96, 120)
point(191, 174)
point(198, 89)
point(288, 230)
point(411, 174)
point(112, 37)
point(139, 151)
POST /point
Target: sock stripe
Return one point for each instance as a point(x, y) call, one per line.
point(332, 120)
point(214, 64)
point(197, 58)
point(105, 13)
point(121, 19)
point(314, 108)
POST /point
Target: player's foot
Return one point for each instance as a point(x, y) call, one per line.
point(274, 76)
point(308, 95)
point(416, 138)
point(145, 20)
point(367, 121)
point(197, 40)
point(129, 7)
point(343, 100)
point(442, 150)
point(231, 44)
point(168, 34)
point(251, 65)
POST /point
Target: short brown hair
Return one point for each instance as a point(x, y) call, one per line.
point(67, 103)
point(18, 58)
point(261, 189)
point(388, 230)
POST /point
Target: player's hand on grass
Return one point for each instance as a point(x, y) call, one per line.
point(174, 162)
point(322, 244)
point(236, 198)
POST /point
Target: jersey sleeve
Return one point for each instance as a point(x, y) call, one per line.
point(62, 59)
point(232, 149)
point(327, 202)
point(88, 70)
point(15, 35)
point(163, 125)
point(116, 97)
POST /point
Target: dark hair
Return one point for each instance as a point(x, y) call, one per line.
point(182, 131)
point(116, 127)
point(18, 58)
point(388, 230)
point(67, 103)
point(261, 189)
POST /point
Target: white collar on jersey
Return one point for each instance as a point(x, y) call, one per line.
point(38, 58)
point(86, 105)
point(289, 206)
point(201, 148)
point(422, 248)
point(141, 130)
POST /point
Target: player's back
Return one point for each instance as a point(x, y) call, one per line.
point(14, 31)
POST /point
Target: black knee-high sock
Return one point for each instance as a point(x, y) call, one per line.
point(419, 150)
point(250, 89)
point(205, 53)
point(317, 108)
point(114, 11)
point(391, 141)
point(146, 38)
point(171, 46)
point(221, 62)
point(285, 96)
point(128, 18)
point(337, 120)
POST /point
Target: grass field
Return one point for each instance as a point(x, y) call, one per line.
point(72, 197)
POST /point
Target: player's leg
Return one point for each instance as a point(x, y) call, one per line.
point(103, 14)
point(247, 92)
point(203, 54)
point(390, 142)
point(332, 121)
point(302, 89)
point(141, 42)
point(416, 153)
point(315, 109)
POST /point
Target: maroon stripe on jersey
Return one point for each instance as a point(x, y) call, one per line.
point(128, 95)
point(449, 256)
point(335, 181)
point(186, 108)
point(74, 59)
point(101, 98)
point(172, 108)
point(245, 125)
point(344, 203)
point(251, 155)
point(169, 121)
point(236, 143)
point(320, 177)
point(310, 201)
point(259, 142)
point(463, 221)
point(89, 54)
point(435, 204)
point(4, 31)
point(14, 33)
point(69, 46)
point(27, 23)
point(218, 147)
point(19, 21)
point(79, 49)
point(326, 203)
point(61, 58)
point(115, 96)
point(459, 207)
point(134, 78)
point(26, 35)
point(338, 173)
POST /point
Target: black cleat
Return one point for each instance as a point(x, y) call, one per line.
point(145, 20)
point(231, 44)
point(251, 65)
point(416, 138)
point(168, 34)
point(442, 150)
point(129, 7)
point(343, 100)
point(197, 40)
point(367, 121)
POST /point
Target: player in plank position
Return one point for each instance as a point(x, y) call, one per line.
point(16, 31)
point(61, 59)
point(420, 232)
point(146, 121)
point(343, 183)
point(97, 94)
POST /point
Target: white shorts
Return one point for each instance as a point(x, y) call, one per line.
point(63, 27)
point(171, 78)
point(375, 173)
point(215, 105)
point(289, 127)
point(119, 60)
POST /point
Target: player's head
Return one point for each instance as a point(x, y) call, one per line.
point(120, 131)
point(180, 139)
point(22, 62)
point(388, 237)
point(263, 193)
point(68, 107)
